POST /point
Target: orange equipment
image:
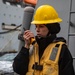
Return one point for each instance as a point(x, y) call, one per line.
point(32, 2)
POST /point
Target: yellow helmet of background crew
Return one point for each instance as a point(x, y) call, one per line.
point(45, 14)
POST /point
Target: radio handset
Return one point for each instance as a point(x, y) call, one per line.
point(20, 37)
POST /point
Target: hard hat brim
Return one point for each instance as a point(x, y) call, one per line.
point(47, 22)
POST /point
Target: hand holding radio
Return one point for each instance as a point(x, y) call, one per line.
point(29, 38)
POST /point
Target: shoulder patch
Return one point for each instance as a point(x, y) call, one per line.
point(53, 54)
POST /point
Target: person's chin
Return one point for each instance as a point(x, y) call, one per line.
point(38, 36)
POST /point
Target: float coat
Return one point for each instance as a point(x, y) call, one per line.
point(48, 64)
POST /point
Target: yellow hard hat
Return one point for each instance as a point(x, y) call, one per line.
point(45, 14)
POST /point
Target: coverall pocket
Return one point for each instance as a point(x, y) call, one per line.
point(49, 69)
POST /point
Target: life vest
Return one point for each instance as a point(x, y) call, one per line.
point(48, 64)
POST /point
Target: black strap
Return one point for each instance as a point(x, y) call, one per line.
point(37, 67)
point(57, 45)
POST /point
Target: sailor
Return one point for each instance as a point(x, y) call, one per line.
point(49, 54)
